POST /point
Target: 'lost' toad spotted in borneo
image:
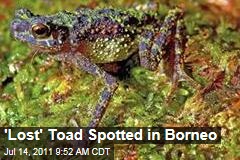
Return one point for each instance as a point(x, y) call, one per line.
point(92, 40)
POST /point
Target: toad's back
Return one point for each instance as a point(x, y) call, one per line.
point(111, 35)
point(102, 35)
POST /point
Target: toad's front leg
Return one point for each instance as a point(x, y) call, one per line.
point(111, 84)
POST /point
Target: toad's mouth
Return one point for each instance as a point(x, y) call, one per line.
point(44, 48)
point(45, 45)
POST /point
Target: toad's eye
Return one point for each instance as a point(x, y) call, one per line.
point(40, 30)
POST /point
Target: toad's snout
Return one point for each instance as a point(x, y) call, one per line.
point(19, 27)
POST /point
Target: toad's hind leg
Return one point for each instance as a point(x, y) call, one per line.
point(179, 74)
point(179, 45)
point(152, 47)
point(178, 63)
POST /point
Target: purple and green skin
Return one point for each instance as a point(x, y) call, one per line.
point(93, 40)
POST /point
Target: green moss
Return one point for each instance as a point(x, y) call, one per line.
point(227, 34)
